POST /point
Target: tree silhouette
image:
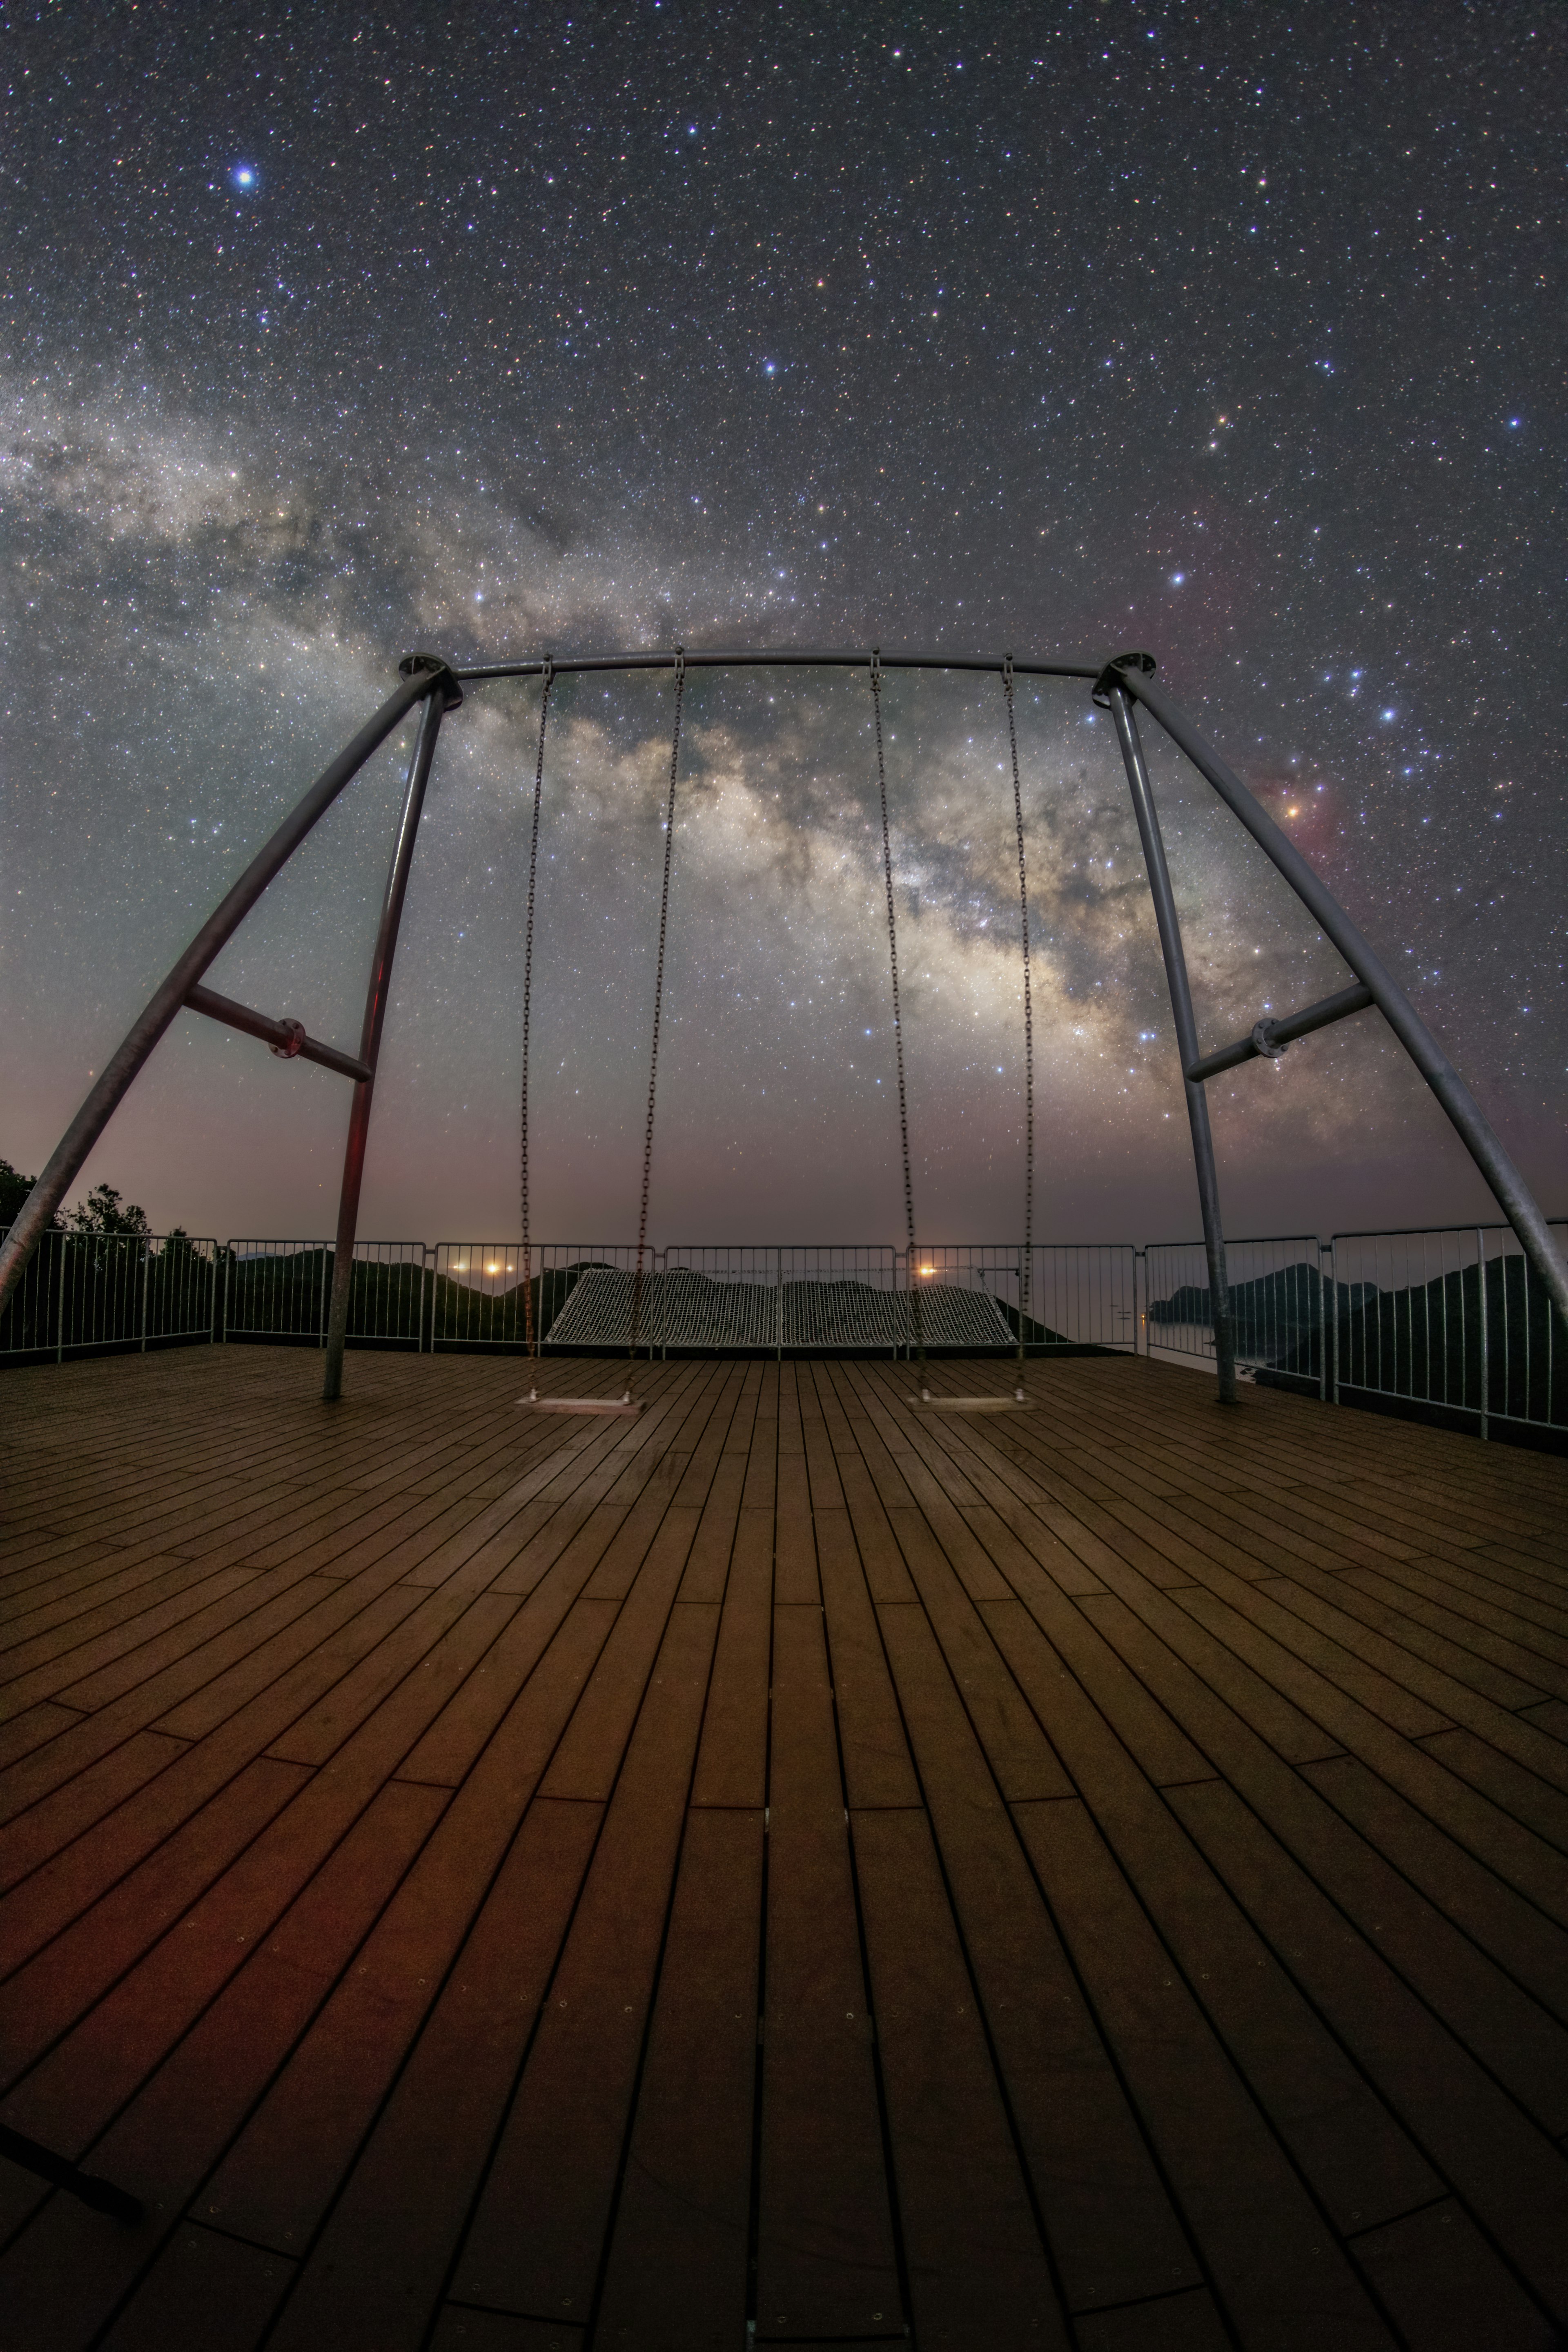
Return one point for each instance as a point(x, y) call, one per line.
point(13, 1190)
point(105, 1211)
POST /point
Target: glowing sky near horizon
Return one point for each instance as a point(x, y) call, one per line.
point(1063, 330)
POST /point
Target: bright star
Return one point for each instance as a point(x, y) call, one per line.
point(244, 177)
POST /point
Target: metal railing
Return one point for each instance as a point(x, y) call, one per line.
point(1452, 1321)
point(1454, 1317)
point(1079, 1294)
point(1084, 1294)
point(1276, 1303)
point(90, 1293)
point(280, 1291)
point(479, 1299)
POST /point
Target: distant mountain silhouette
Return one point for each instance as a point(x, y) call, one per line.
point(1422, 1343)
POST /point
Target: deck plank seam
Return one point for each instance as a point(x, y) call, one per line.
point(1070, 1960)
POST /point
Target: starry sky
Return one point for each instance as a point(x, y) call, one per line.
point(1230, 331)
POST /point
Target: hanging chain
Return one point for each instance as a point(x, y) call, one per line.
point(1025, 1282)
point(897, 1023)
point(531, 1335)
point(657, 1003)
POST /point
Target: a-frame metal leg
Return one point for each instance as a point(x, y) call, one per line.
point(420, 676)
point(1186, 1030)
point(370, 1041)
point(1133, 674)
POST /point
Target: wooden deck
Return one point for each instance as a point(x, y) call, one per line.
point(1088, 1878)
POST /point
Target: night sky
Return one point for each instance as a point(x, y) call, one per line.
point(1231, 332)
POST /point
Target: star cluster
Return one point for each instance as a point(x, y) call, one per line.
point(1233, 334)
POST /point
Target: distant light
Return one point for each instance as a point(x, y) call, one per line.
point(930, 1270)
point(1514, 423)
point(1391, 714)
point(1177, 578)
point(769, 368)
point(244, 176)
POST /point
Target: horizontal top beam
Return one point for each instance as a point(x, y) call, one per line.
point(775, 656)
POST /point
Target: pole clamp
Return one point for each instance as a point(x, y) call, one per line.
point(876, 669)
point(1116, 672)
point(296, 1036)
point(1265, 1042)
point(681, 666)
point(440, 674)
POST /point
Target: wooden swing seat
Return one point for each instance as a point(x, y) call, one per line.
point(627, 1406)
point(971, 1404)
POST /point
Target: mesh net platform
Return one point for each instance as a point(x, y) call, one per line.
point(683, 1309)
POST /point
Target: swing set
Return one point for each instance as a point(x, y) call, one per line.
point(1122, 687)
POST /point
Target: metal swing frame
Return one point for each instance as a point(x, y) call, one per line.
point(1119, 686)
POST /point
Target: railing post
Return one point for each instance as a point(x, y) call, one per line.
point(1335, 1315)
point(146, 1269)
point(1322, 1330)
point(1481, 1302)
point(64, 1246)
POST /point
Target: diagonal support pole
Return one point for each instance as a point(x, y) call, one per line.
point(1115, 695)
point(36, 1213)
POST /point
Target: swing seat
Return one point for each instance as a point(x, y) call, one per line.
point(929, 1404)
point(627, 1407)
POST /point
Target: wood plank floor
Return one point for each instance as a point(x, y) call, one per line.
point(782, 1869)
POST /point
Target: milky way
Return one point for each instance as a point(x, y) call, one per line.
point(1056, 329)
